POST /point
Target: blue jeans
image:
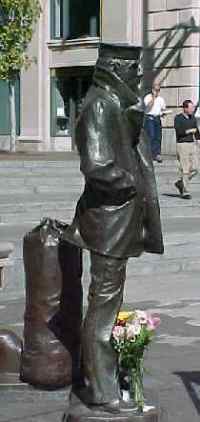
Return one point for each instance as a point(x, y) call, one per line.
point(153, 128)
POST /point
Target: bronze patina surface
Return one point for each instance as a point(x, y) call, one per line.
point(118, 214)
point(10, 352)
point(53, 310)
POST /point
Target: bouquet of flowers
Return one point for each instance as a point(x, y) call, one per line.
point(131, 335)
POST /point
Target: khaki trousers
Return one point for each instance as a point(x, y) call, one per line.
point(187, 157)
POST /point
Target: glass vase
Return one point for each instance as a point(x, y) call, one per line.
point(136, 384)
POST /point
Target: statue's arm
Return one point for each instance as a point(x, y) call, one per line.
point(97, 132)
point(147, 169)
point(152, 224)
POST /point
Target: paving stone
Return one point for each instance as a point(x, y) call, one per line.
point(167, 285)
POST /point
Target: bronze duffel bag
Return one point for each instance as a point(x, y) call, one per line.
point(53, 312)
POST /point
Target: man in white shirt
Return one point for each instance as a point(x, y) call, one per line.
point(154, 109)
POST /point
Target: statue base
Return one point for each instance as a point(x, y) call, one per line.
point(11, 381)
point(79, 412)
point(106, 417)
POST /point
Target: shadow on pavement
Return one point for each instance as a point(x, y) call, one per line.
point(172, 195)
point(191, 381)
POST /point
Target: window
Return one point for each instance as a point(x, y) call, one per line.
point(5, 107)
point(68, 90)
point(72, 19)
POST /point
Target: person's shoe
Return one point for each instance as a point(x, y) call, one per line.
point(159, 158)
point(192, 174)
point(186, 195)
point(179, 185)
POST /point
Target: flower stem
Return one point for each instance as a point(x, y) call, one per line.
point(136, 384)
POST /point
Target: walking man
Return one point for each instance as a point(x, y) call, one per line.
point(154, 109)
point(186, 135)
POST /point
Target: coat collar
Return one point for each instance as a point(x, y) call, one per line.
point(116, 87)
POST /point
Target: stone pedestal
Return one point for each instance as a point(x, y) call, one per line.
point(79, 412)
point(151, 416)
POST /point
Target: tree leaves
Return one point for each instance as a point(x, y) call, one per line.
point(17, 24)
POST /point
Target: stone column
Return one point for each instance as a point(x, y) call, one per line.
point(135, 22)
point(45, 77)
point(122, 21)
point(35, 108)
point(29, 111)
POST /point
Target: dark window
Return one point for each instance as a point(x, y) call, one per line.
point(75, 19)
point(68, 90)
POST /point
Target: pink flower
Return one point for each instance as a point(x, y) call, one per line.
point(118, 332)
point(153, 322)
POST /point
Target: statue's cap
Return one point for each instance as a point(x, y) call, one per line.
point(120, 51)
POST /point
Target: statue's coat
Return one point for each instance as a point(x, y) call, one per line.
point(118, 213)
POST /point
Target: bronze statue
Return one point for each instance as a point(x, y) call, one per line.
point(117, 216)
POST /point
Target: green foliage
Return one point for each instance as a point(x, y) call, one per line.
point(132, 350)
point(17, 23)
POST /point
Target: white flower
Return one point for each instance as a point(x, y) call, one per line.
point(118, 332)
point(142, 316)
point(133, 329)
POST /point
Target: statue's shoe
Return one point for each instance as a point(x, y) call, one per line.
point(114, 406)
point(118, 407)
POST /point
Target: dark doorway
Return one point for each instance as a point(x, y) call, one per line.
point(68, 90)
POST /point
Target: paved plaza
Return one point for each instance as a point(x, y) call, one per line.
point(168, 285)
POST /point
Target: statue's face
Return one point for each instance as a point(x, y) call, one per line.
point(128, 71)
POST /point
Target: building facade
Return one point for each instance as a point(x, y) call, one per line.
point(65, 45)
point(172, 55)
